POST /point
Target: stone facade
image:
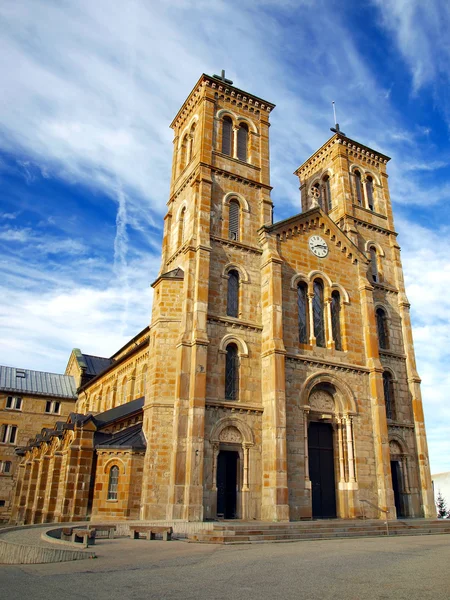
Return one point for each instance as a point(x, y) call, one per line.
point(277, 378)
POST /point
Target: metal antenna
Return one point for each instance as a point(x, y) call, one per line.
point(336, 128)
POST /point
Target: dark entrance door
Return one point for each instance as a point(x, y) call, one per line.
point(396, 486)
point(227, 483)
point(321, 470)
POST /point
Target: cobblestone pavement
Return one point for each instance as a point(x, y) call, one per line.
point(407, 568)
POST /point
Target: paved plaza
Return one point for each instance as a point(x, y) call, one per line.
point(407, 568)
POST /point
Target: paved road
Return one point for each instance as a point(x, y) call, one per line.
point(367, 569)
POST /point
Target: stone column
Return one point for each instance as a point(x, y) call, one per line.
point(306, 448)
point(328, 323)
point(312, 337)
point(350, 449)
point(341, 451)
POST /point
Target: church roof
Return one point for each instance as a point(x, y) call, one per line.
point(95, 364)
point(132, 437)
point(26, 381)
point(124, 410)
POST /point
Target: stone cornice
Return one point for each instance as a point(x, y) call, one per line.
point(234, 323)
point(234, 244)
point(327, 364)
point(234, 406)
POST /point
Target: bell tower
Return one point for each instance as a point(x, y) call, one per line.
point(348, 181)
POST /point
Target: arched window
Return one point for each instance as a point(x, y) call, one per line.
point(358, 187)
point(227, 136)
point(191, 143)
point(326, 193)
point(181, 226)
point(389, 399)
point(374, 263)
point(233, 224)
point(302, 304)
point(113, 483)
point(383, 337)
point(232, 373)
point(242, 142)
point(336, 319)
point(233, 294)
point(369, 191)
point(319, 324)
point(317, 194)
point(183, 152)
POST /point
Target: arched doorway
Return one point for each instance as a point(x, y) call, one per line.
point(400, 479)
point(231, 440)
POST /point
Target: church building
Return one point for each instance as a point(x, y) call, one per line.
point(277, 379)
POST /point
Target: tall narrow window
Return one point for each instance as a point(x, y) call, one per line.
point(383, 338)
point(369, 191)
point(181, 226)
point(358, 187)
point(373, 263)
point(191, 143)
point(242, 142)
point(319, 324)
point(183, 152)
point(233, 225)
point(232, 373)
point(336, 319)
point(326, 193)
point(8, 434)
point(113, 483)
point(302, 304)
point(233, 294)
point(227, 131)
point(389, 400)
point(317, 194)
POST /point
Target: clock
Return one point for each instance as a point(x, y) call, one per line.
point(318, 246)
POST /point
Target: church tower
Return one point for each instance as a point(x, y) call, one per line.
point(281, 374)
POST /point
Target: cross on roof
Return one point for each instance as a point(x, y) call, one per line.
point(222, 77)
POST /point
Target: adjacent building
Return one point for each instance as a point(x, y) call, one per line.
point(277, 378)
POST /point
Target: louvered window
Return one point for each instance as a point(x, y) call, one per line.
point(358, 186)
point(181, 226)
point(191, 143)
point(383, 339)
point(227, 130)
point(326, 194)
point(183, 150)
point(318, 317)
point(242, 141)
point(336, 320)
point(232, 373)
point(389, 400)
point(302, 304)
point(373, 263)
point(233, 226)
point(113, 483)
point(369, 190)
point(233, 294)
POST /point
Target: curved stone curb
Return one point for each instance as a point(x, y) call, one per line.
point(13, 553)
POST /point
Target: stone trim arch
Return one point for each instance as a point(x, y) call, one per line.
point(343, 292)
point(233, 266)
point(240, 343)
point(345, 391)
point(234, 195)
point(392, 373)
point(186, 130)
point(376, 245)
point(226, 112)
point(384, 307)
point(375, 177)
point(241, 119)
point(241, 426)
point(237, 119)
point(395, 437)
point(297, 278)
point(314, 274)
point(114, 461)
point(182, 206)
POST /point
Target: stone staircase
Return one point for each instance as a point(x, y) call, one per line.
point(238, 532)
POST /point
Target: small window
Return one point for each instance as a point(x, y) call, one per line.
point(382, 329)
point(183, 152)
point(227, 130)
point(369, 191)
point(326, 193)
point(358, 187)
point(233, 226)
point(5, 467)
point(8, 434)
point(181, 225)
point(14, 403)
point(113, 483)
point(190, 152)
point(232, 373)
point(318, 316)
point(233, 294)
point(2, 502)
point(242, 142)
point(389, 400)
point(52, 407)
point(336, 319)
point(374, 263)
point(302, 304)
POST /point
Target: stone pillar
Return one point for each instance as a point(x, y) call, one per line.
point(341, 451)
point(350, 449)
point(41, 484)
point(51, 493)
point(18, 505)
point(31, 492)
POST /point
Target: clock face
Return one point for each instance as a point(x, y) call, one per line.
point(318, 246)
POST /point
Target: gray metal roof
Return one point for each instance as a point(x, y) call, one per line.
point(96, 364)
point(25, 381)
point(132, 437)
point(113, 414)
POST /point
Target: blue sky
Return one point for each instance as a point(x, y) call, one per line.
point(88, 92)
